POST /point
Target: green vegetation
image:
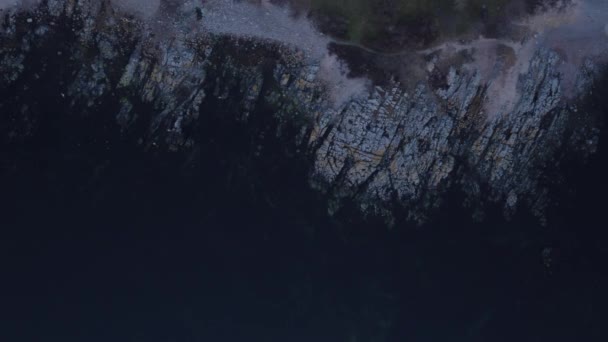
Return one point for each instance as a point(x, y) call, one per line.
point(356, 13)
point(363, 21)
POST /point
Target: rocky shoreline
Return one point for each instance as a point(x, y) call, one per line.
point(390, 149)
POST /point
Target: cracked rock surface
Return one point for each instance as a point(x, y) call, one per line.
point(389, 149)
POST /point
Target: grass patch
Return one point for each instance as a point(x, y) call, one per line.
point(367, 20)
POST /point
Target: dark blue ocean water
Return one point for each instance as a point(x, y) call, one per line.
point(104, 239)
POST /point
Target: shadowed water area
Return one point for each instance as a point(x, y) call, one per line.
point(105, 238)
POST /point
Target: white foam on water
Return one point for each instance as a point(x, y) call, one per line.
point(577, 30)
point(265, 21)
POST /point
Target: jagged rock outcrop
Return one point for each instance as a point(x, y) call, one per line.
point(391, 148)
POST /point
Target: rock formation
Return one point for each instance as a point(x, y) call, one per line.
point(384, 148)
